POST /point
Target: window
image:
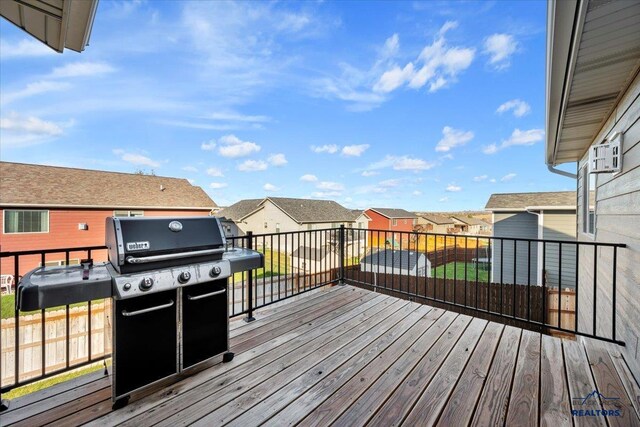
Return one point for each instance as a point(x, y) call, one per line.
point(415, 221)
point(309, 226)
point(61, 262)
point(26, 221)
point(394, 222)
point(588, 201)
point(277, 227)
point(128, 213)
point(265, 225)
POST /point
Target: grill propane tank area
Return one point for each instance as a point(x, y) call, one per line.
point(168, 280)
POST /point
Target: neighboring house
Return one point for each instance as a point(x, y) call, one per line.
point(395, 220)
point(360, 219)
point(433, 223)
point(593, 93)
point(48, 207)
point(472, 225)
point(550, 215)
point(400, 262)
point(308, 260)
point(280, 215)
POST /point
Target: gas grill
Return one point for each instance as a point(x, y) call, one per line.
point(168, 281)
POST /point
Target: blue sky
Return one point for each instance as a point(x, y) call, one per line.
point(418, 105)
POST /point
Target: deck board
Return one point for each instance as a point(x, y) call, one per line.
point(349, 357)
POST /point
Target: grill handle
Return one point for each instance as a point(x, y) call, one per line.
point(146, 259)
point(126, 313)
point(210, 294)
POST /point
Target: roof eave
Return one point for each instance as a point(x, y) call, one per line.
point(64, 206)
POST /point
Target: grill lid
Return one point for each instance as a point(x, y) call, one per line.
point(152, 240)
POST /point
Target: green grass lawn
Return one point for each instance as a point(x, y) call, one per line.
point(275, 264)
point(456, 271)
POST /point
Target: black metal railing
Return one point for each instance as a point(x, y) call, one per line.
point(563, 285)
point(560, 285)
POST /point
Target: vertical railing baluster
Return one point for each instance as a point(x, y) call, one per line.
point(613, 297)
point(342, 254)
point(529, 280)
point(250, 317)
point(16, 335)
point(444, 267)
point(501, 271)
point(489, 276)
point(595, 285)
point(577, 303)
point(544, 283)
point(466, 265)
point(515, 277)
point(560, 285)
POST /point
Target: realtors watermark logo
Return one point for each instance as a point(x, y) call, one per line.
point(596, 404)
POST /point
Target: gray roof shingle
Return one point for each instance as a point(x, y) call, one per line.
point(37, 185)
point(394, 213)
point(300, 210)
point(437, 219)
point(313, 254)
point(520, 201)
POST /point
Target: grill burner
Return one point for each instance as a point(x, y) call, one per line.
point(168, 279)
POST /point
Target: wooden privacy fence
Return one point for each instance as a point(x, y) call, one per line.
point(55, 340)
point(518, 301)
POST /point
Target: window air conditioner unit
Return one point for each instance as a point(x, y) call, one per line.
point(606, 157)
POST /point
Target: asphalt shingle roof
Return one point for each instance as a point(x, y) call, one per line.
point(520, 201)
point(437, 219)
point(313, 254)
point(392, 258)
point(312, 210)
point(27, 184)
point(240, 209)
point(394, 213)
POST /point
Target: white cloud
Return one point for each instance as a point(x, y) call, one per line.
point(508, 177)
point(480, 178)
point(218, 185)
point(31, 89)
point(443, 199)
point(416, 193)
point(18, 130)
point(437, 65)
point(518, 137)
point(232, 146)
point(277, 160)
point(252, 166)
point(270, 187)
point(24, 48)
point(308, 178)
point(136, 159)
point(330, 148)
point(214, 172)
point(190, 169)
point(82, 69)
point(500, 47)
point(453, 138)
point(230, 116)
point(369, 173)
point(326, 194)
point(354, 150)
point(492, 180)
point(519, 107)
point(452, 188)
point(390, 183)
point(208, 146)
point(402, 163)
point(329, 185)
point(191, 181)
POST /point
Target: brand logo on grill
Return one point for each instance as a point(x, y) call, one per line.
point(175, 226)
point(137, 246)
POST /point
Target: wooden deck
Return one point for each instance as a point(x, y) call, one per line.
point(349, 357)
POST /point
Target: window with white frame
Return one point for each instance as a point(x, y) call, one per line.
point(394, 222)
point(128, 213)
point(26, 221)
point(588, 201)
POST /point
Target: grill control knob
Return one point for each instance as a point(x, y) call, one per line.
point(126, 286)
point(215, 271)
point(184, 277)
point(146, 284)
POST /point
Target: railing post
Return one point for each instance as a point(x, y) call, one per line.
point(341, 252)
point(250, 317)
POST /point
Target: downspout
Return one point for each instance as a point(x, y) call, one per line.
point(560, 172)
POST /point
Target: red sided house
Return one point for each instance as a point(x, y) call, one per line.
point(391, 220)
point(47, 207)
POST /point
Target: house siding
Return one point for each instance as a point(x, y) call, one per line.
point(520, 225)
point(560, 225)
point(63, 233)
point(617, 219)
